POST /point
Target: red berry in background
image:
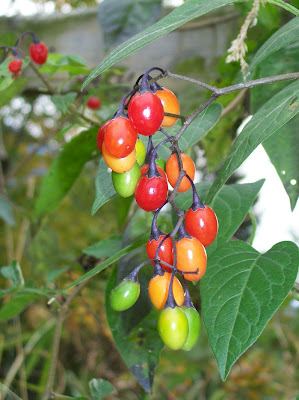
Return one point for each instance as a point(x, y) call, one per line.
point(120, 137)
point(94, 103)
point(38, 52)
point(165, 252)
point(15, 66)
point(202, 224)
point(146, 113)
point(101, 135)
point(151, 193)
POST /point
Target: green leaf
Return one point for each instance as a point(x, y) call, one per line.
point(139, 346)
point(266, 121)
point(13, 90)
point(285, 5)
point(63, 101)
point(287, 34)
point(179, 16)
point(240, 292)
point(54, 274)
point(135, 245)
point(65, 170)
point(121, 20)
point(105, 247)
point(15, 306)
point(231, 205)
point(14, 273)
point(6, 210)
point(104, 187)
point(202, 124)
point(100, 388)
point(73, 64)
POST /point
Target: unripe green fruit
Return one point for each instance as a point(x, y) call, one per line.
point(194, 327)
point(173, 327)
point(124, 295)
point(140, 152)
point(125, 183)
point(161, 163)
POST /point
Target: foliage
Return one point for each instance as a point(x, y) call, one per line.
point(51, 175)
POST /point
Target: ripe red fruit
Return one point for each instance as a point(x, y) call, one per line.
point(15, 66)
point(165, 252)
point(170, 105)
point(172, 171)
point(120, 137)
point(146, 113)
point(101, 135)
point(38, 52)
point(202, 224)
point(151, 193)
point(94, 103)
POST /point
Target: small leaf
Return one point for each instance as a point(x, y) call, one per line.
point(287, 34)
point(240, 292)
point(135, 245)
point(100, 388)
point(121, 20)
point(65, 170)
point(14, 273)
point(6, 210)
point(54, 274)
point(105, 247)
point(266, 121)
point(73, 64)
point(202, 124)
point(179, 16)
point(63, 101)
point(104, 187)
point(15, 306)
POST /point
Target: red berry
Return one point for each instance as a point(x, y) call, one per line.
point(101, 135)
point(94, 103)
point(172, 171)
point(15, 66)
point(146, 113)
point(151, 193)
point(120, 137)
point(191, 255)
point(38, 52)
point(202, 224)
point(165, 252)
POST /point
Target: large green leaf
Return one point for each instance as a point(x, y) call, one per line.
point(16, 305)
point(240, 292)
point(104, 187)
point(287, 34)
point(267, 120)
point(105, 247)
point(6, 210)
point(285, 5)
point(65, 170)
point(140, 346)
point(202, 124)
point(186, 12)
point(231, 205)
point(99, 388)
point(120, 20)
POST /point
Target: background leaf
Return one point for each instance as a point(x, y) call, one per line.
point(240, 292)
point(120, 20)
point(65, 170)
point(105, 247)
point(6, 210)
point(104, 187)
point(99, 388)
point(285, 5)
point(179, 16)
point(16, 305)
point(63, 101)
point(14, 273)
point(266, 121)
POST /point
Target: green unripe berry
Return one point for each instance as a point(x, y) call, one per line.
point(124, 295)
point(125, 184)
point(173, 327)
point(194, 327)
point(140, 152)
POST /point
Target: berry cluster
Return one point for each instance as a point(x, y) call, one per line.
point(182, 251)
point(38, 52)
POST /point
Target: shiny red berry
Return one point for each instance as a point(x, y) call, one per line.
point(151, 193)
point(120, 137)
point(202, 224)
point(15, 66)
point(94, 103)
point(146, 113)
point(38, 52)
point(101, 135)
point(165, 251)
